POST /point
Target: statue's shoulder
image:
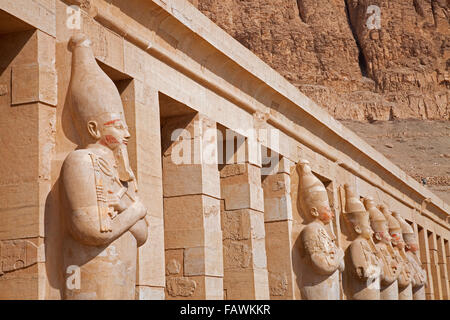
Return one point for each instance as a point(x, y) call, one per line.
point(77, 161)
point(358, 243)
point(314, 226)
point(311, 230)
point(359, 249)
point(78, 157)
point(315, 233)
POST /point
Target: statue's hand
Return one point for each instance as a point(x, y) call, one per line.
point(140, 232)
point(141, 209)
point(395, 268)
point(360, 272)
point(373, 271)
point(118, 204)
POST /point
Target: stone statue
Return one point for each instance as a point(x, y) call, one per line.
point(323, 259)
point(364, 267)
point(419, 277)
point(404, 279)
point(382, 240)
point(105, 218)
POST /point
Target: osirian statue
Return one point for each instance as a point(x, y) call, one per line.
point(364, 267)
point(382, 240)
point(324, 260)
point(104, 219)
point(419, 275)
point(404, 279)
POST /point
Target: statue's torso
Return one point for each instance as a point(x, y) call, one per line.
point(388, 262)
point(367, 289)
point(388, 280)
point(419, 276)
point(317, 286)
point(107, 271)
point(405, 277)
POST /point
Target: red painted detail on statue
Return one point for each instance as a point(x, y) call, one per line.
point(396, 236)
point(110, 122)
point(111, 140)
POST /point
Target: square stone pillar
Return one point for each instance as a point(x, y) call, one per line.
point(426, 262)
point(192, 229)
point(434, 263)
point(141, 107)
point(28, 99)
point(442, 261)
point(278, 227)
point(447, 257)
point(242, 212)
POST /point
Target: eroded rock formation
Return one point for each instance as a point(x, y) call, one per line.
point(337, 54)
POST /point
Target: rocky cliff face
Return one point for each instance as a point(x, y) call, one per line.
point(342, 56)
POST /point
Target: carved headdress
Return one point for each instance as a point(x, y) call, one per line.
point(394, 225)
point(312, 192)
point(354, 209)
point(95, 98)
point(94, 95)
point(395, 229)
point(407, 230)
point(374, 214)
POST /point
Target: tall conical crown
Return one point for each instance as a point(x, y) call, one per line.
point(374, 213)
point(94, 95)
point(352, 203)
point(353, 206)
point(394, 225)
point(406, 228)
point(312, 192)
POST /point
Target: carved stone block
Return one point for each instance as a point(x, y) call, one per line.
point(17, 254)
point(33, 83)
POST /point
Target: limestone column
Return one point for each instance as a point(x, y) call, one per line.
point(141, 107)
point(434, 262)
point(447, 255)
point(192, 229)
point(443, 268)
point(242, 212)
point(28, 99)
point(278, 227)
point(419, 294)
point(426, 262)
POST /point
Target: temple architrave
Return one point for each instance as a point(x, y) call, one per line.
point(146, 154)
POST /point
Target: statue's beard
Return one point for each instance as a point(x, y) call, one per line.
point(123, 164)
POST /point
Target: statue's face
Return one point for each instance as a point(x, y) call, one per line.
point(412, 246)
point(114, 133)
point(382, 231)
point(325, 214)
point(411, 242)
point(385, 236)
point(362, 227)
point(366, 230)
point(397, 240)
